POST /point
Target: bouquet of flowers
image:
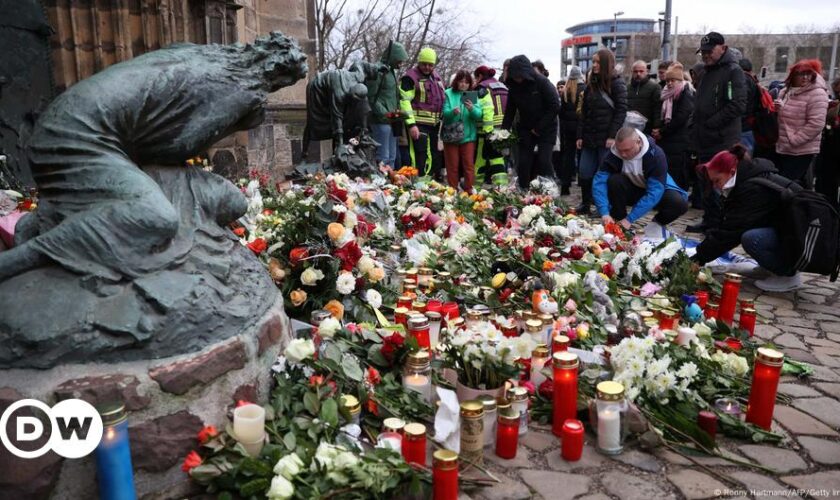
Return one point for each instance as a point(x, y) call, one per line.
point(483, 357)
point(502, 139)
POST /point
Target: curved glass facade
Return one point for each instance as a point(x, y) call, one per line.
point(629, 26)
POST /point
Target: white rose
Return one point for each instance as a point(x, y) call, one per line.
point(299, 349)
point(373, 298)
point(345, 284)
point(328, 327)
point(366, 264)
point(345, 460)
point(310, 276)
point(288, 466)
point(280, 489)
point(350, 219)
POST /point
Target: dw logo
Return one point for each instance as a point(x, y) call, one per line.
point(75, 428)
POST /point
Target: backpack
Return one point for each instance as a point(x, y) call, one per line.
point(811, 239)
point(766, 122)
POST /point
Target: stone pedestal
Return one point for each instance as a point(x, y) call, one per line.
point(168, 401)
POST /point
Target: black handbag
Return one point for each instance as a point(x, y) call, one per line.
point(452, 133)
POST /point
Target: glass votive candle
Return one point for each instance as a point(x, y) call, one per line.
point(414, 444)
point(729, 406)
point(572, 436)
point(489, 403)
point(707, 420)
point(507, 434)
point(390, 440)
point(445, 475)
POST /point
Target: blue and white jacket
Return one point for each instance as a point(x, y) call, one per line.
point(651, 170)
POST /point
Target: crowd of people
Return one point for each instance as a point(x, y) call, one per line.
point(686, 138)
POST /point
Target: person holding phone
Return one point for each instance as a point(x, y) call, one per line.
point(461, 116)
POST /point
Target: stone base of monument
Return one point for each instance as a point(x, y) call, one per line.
point(168, 401)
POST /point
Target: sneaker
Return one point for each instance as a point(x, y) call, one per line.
point(780, 283)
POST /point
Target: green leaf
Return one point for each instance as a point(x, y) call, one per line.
point(311, 403)
point(329, 412)
point(381, 317)
point(255, 487)
point(290, 441)
point(351, 368)
point(253, 467)
point(332, 352)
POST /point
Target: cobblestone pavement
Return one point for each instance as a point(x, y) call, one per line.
point(806, 326)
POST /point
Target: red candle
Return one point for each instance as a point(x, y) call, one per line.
point(572, 440)
point(668, 320)
point(560, 344)
point(729, 297)
point(565, 390)
point(765, 382)
point(401, 316)
point(405, 301)
point(746, 320)
point(418, 328)
point(434, 306)
point(507, 435)
point(702, 298)
point(711, 310)
point(733, 343)
point(707, 420)
point(450, 310)
point(419, 306)
point(445, 475)
point(414, 444)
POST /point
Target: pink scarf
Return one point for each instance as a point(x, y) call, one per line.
point(668, 96)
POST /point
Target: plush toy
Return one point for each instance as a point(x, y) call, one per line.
point(542, 302)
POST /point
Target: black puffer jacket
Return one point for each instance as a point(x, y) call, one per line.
point(676, 134)
point(599, 120)
point(643, 97)
point(718, 107)
point(748, 206)
point(535, 99)
point(568, 113)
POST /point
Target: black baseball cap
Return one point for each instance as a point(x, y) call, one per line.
point(709, 41)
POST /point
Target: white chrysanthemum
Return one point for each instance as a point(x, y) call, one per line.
point(635, 367)
point(528, 214)
point(289, 466)
point(365, 264)
point(310, 276)
point(350, 219)
point(373, 298)
point(345, 283)
point(658, 366)
point(541, 226)
point(345, 460)
point(688, 371)
point(565, 280)
point(328, 327)
point(523, 346)
point(459, 339)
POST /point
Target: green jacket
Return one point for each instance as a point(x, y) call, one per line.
point(383, 92)
point(471, 119)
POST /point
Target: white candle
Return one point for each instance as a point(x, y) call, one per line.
point(609, 428)
point(390, 440)
point(434, 328)
point(685, 335)
point(249, 423)
point(537, 365)
point(419, 383)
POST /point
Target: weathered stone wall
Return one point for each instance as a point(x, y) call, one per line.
point(168, 401)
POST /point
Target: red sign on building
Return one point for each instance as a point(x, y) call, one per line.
point(577, 40)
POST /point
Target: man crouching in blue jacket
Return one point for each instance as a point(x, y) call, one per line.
point(635, 173)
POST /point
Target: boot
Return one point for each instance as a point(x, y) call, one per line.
point(585, 206)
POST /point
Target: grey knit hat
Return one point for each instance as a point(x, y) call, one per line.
point(574, 73)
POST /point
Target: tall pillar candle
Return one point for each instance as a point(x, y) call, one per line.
point(729, 297)
point(765, 383)
point(113, 457)
point(565, 390)
point(445, 475)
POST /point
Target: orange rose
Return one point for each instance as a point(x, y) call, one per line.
point(275, 269)
point(376, 274)
point(335, 231)
point(335, 308)
point(298, 297)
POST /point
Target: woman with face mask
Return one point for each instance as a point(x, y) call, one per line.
point(749, 210)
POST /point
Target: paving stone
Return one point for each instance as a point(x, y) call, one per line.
point(633, 487)
point(695, 485)
point(588, 459)
point(821, 450)
point(797, 321)
point(832, 309)
point(819, 290)
point(798, 390)
point(779, 459)
point(508, 489)
point(539, 441)
point(826, 480)
point(789, 340)
point(671, 458)
point(825, 409)
point(805, 332)
point(823, 343)
point(756, 482)
point(778, 302)
point(833, 351)
point(713, 461)
point(596, 496)
point(830, 327)
point(812, 298)
point(640, 460)
point(826, 374)
point(829, 388)
point(766, 332)
point(799, 423)
point(803, 356)
point(556, 485)
point(522, 458)
point(824, 316)
point(832, 361)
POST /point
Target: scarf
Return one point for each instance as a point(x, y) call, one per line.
point(668, 96)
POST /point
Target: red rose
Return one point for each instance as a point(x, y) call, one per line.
point(349, 255)
point(258, 246)
point(309, 191)
point(576, 252)
point(527, 253)
point(192, 460)
point(336, 193)
point(373, 376)
point(267, 211)
point(405, 219)
point(316, 380)
point(243, 402)
point(390, 345)
point(207, 433)
point(505, 295)
point(546, 389)
point(297, 254)
point(608, 269)
point(239, 231)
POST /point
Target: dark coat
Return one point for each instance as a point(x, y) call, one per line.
point(568, 113)
point(676, 134)
point(748, 206)
point(718, 107)
point(643, 97)
point(599, 120)
point(535, 99)
point(753, 102)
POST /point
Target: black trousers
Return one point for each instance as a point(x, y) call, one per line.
point(622, 192)
point(530, 166)
point(424, 154)
point(794, 167)
point(569, 158)
point(678, 167)
point(828, 172)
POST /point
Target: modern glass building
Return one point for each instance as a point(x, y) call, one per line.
point(625, 36)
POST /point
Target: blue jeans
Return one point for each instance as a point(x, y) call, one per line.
point(590, 161)
point(763, 244)
point(748, 140)
point(387, 150)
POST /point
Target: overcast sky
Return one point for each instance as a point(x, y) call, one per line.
point(536, 27)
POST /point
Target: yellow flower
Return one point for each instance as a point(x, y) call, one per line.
point(498, 280)
point(582, 333)
point(298, 297)
point(376, 274)
point(335, 308)
point(335, 231)
point(606, 278)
